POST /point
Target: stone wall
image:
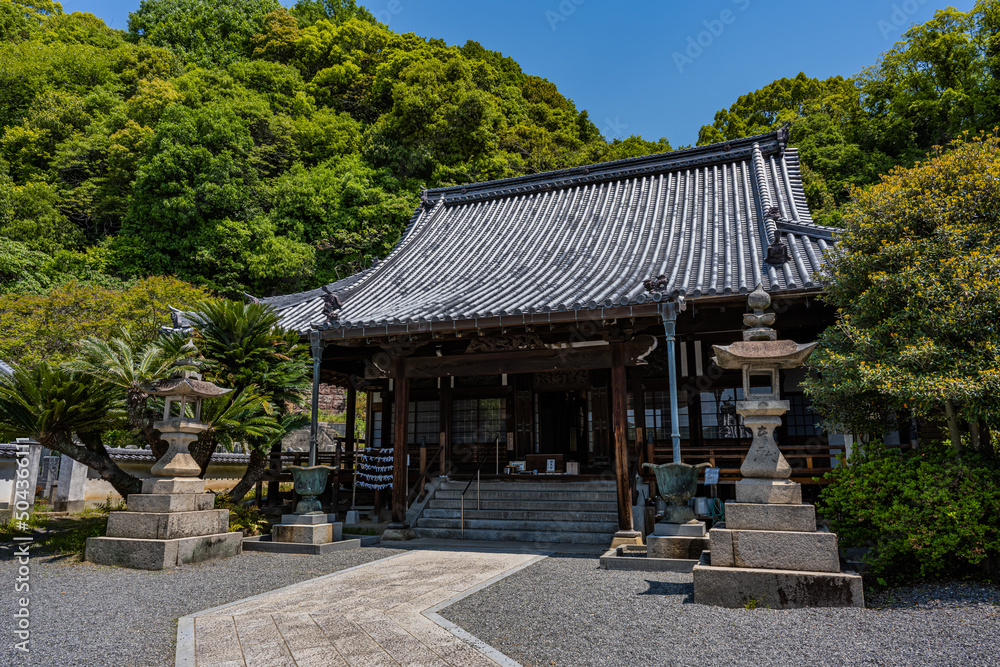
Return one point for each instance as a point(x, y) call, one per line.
point(298, 441)
point(332, 398)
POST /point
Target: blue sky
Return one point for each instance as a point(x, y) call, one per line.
point(651, 68)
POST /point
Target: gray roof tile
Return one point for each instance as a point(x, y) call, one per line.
point(586, 238)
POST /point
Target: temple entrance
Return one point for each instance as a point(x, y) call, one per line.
point(562, 425)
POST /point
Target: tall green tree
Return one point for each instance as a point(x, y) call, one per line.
point(245, 350)
point(203, 32)
point(915, 278)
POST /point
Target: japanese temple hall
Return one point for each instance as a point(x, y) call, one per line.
point(510, 332)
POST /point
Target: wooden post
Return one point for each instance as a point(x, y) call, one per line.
point(619, 414)
point(642, 441)
point(445, 427)
point(402, 413)
point(352, 418)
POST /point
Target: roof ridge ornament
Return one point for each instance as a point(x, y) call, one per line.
point(331, 304)
point(783, 133)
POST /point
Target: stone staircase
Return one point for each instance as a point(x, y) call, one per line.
point(543, 512)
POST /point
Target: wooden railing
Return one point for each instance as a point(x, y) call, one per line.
point(807, 461)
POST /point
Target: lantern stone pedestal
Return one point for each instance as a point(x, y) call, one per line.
point(173, 521)
point(769, 551)
point(163, 530)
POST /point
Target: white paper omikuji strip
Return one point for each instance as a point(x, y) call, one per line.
point(377, 478)
point(376, 487)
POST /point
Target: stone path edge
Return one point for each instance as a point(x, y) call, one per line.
point(481, 646)
point(185, 654)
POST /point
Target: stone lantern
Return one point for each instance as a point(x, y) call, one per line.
point(173, 521)
point(769, 551)
point(177, 427)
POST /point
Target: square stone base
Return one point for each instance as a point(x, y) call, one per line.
point(173, 485)
point(264, 543)
point(298, 533)
point(737, 588)
point(309, 519)
point(626, 558)
point(161, 554)
point(756, 516)
point(170, 502)
point(623, 537)
point(692, 529)
point(779, 550)
point(167, 525)
point(675, 547)
point(768, 491)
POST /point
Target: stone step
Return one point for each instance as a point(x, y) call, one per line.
point(519, 495)
point(520, 515)
point(538, 538)
point(493, 485)
point(604, 527)
point(544, 505)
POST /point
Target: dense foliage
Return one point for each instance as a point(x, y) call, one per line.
point(245, 147)
point(940, 79)
point(48, 325)
point(916, 284)
point(923, 514)
point(99, 397)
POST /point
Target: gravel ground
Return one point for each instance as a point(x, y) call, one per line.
point(86, 614)
point(565, 611)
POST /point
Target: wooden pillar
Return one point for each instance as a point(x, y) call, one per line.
point(619, 415)
point(644, 444)
point(445, 425)
point(402, 413)
point(352, 418)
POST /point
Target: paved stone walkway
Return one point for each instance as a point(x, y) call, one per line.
point(377, 614)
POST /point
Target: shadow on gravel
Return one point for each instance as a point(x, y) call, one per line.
point(670, 588)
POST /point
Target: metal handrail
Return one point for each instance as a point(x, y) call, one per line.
point(479, 469)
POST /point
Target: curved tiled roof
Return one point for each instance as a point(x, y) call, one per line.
point(6, 368)
point(586, 238)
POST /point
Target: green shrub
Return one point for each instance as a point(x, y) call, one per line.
point(925, 514)
point(242, 517)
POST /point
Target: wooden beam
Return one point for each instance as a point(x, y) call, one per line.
point(402, 413)
point(619, 416)
point(528, 361)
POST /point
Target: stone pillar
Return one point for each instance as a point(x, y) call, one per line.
point(71, 494)
point(48, 475)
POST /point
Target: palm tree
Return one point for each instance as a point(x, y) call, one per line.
point(117, 363)
point(54, 404)
point(246, 350)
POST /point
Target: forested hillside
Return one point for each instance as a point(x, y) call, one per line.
point(245, 147)
point(940, 80)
